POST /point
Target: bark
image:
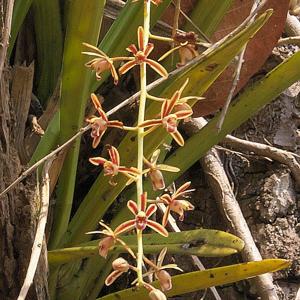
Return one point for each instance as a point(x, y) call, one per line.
point(20, 207)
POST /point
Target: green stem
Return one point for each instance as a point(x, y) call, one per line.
point(140, 139)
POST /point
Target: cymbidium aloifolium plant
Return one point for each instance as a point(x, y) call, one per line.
point(172, 111)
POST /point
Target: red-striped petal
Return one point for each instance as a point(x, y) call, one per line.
point(114, 74)
point(148, 49)
point(140, 34)
point(132, 206)
point(130, 171)
point(177, 137)
point(96, 101)
point(157, 67)
point(127, 66)
point(151, 210)
point(114, 155)
point(181, 190)
point(125, 226)
point(166, 216)
point(112, 277)
point(157, 227)
point(172, 102)
point(166, 198)
point(97, 160)
point(144, 201)
point(102, 114)
point(149, 123)
point(117, 124)
point(96, 140)
point(182, 114)
point(132, 48)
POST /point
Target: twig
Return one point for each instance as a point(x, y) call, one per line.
point(195, 258)
point(254, 10)
point(6, 33)
point(289, 40)
point(175, 24)
point(285, 157)
point(44, 159)
point(229, 207)
point(202, 34)
point(38, 240)
point(282, 156)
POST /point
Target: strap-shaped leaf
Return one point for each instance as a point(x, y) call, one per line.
point(191, 282)
point(74, 94)
point(201, 242)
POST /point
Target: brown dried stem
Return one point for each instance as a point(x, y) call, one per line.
point(6, 32)
point(40, 231)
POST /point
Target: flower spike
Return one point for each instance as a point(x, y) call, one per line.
point(112, 167)
point(141, 220)
point(141, 56)
point(175, 204)
point(100, 63)
point(100, 124)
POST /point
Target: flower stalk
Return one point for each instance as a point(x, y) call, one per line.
point(140, 138)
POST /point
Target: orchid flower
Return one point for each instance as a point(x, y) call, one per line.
point(159, 270)
point(100, 124)
point(120, 266)
point(187, 48)
point(109, 241)
point(100, 63)
point(141, 56)
point(112, 167)
point(169, 120)
point(154, 171)
point(142, 218)
point(175, 204)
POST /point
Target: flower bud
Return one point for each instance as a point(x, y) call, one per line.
point(120, 264)
point(164, 279)
point(104, 245)
point(156, 294)
point(157, 179)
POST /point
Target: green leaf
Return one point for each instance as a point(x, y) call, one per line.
point(84, 23)
point(191, 282)
point(49, 42)
point(202, 74)
point(202, 242)
point(20, 11)
point(207, 9)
